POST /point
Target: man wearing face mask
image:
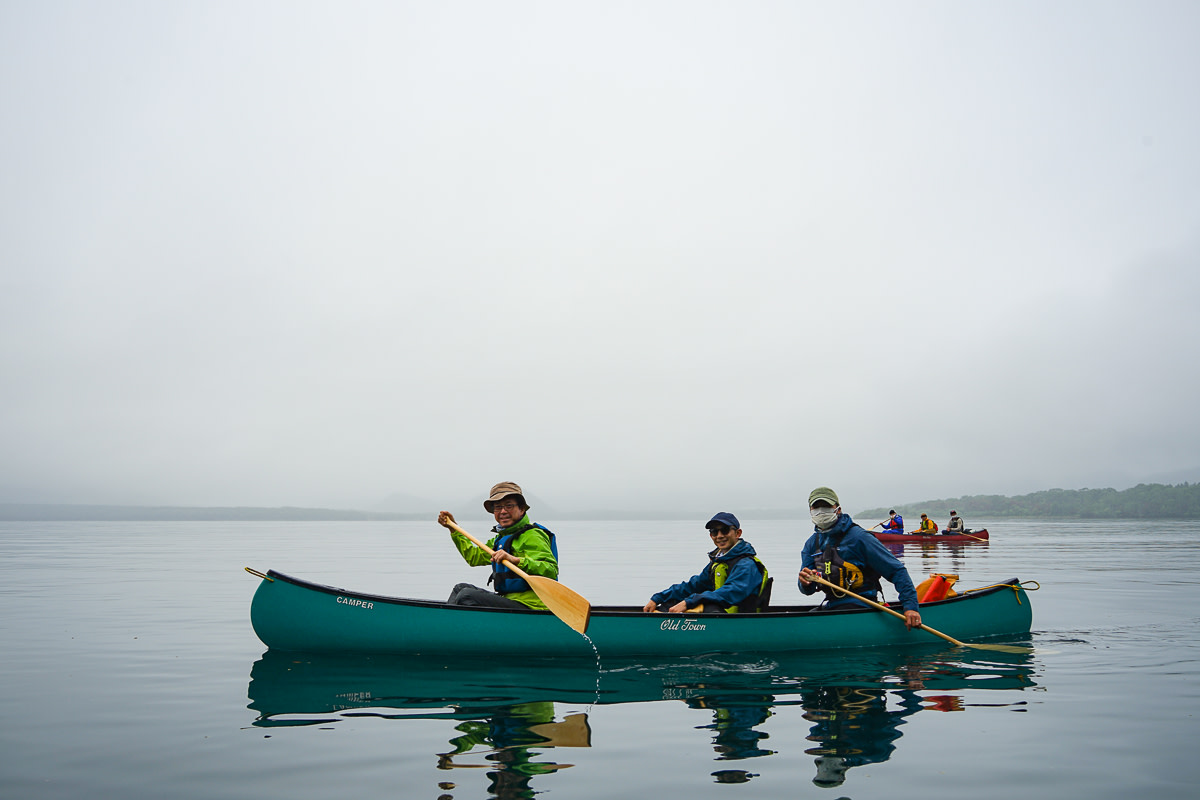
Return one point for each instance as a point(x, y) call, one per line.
point(843, 553)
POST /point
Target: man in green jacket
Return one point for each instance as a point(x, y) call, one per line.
point(517, 541)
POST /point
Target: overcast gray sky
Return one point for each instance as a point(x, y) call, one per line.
point(628, 254)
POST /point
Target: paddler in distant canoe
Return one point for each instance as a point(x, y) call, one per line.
point(894, 522)
point(529, 546)
point(955, 525)
point(927, 527)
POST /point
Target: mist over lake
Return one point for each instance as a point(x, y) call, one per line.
point(644, 257)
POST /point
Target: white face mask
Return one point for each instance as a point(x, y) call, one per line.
point(824, 518)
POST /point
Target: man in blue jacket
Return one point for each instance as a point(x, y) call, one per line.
point(843, 553)
point(732, 582)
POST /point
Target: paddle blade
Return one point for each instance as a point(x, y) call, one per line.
point(569, 606)
point(1000, 648)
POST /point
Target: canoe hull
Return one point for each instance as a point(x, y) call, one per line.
point(290, 614)
point(975, 536)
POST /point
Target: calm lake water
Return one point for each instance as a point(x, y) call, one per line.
point(128, 668)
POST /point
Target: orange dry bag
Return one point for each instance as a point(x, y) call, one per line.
point(937, 586)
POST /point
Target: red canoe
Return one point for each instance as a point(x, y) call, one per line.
point(973, 536)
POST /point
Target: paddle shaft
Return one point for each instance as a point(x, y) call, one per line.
point(882, 607)
point(511, 565)
point(952, 532)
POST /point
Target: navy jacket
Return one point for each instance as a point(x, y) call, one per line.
point(744, 580)
point(864, 551)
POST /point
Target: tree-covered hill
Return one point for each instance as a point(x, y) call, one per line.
point(1144, 501)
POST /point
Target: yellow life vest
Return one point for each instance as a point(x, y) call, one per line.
point(720, 572)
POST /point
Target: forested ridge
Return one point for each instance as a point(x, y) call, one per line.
point(1144, 501)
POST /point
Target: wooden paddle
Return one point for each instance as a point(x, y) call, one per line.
point(566, 604)
point(1003, 648)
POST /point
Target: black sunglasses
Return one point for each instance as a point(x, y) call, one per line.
point(719, 530)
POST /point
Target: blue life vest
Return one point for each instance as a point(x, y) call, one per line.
point(503, 579)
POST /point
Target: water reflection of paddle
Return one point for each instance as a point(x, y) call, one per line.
point(572, 731)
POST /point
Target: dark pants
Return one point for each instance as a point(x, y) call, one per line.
point(464, 594)
point(706, 608)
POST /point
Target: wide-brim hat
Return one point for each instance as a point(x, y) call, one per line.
point(502, 490)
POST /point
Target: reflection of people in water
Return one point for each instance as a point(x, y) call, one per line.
point(853, 726)
point(734, 720)
point(854, 702)
point(511, 732)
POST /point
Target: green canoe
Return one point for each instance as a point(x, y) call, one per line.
point(291, 614)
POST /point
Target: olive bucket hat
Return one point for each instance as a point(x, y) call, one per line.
point(502, 490)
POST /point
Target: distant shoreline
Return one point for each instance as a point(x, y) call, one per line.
point(47, 512)
point(1144, 501)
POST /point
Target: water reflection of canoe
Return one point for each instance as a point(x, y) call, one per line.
point(973, 536)
point(426, 687)
point(504, 714)
point(296, 615)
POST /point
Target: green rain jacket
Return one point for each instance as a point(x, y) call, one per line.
point(532, 547)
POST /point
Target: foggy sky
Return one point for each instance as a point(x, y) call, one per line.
point(627, 254)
